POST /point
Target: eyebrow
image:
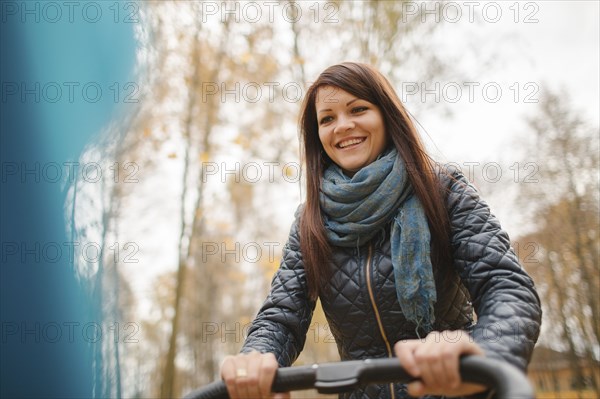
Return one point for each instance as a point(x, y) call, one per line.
point(329, 109)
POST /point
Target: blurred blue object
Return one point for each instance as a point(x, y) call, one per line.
point(64, 66)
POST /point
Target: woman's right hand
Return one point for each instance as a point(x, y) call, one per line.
point(250, 375)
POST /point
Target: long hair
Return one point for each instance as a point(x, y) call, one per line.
point(366, 83)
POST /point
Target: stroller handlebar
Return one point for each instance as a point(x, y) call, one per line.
point(506, 380)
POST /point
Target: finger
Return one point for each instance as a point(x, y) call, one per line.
point(248, 384)
point(268, 367)
point(241, 381)
point(405, 352)
point(451, 359)
point(228, 375)
point(471, 389)
point(426, 357)
point(415, 389)
point(449, 364)
point(437, 358)
point(434, 375)
point(420, 353)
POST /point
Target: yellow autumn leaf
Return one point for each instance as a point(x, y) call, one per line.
point(291, 171)
point(242, 141)
point(246, 57)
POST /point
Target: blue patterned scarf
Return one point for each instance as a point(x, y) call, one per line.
point(356, 209)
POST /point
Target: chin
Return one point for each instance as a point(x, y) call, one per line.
point(356, 166)
point(351, 169)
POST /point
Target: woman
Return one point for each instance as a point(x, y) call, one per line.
point(398, 250)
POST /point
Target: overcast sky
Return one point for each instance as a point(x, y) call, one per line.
point(558, 49)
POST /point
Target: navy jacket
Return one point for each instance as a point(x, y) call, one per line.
point(361, 305)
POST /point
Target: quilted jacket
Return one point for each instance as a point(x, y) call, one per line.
point(362, 309)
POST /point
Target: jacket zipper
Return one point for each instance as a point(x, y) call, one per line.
point(376, 311)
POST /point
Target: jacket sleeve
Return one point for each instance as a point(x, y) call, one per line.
point(503, 295)
point(283, 320)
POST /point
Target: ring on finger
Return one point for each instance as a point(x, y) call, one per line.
point(241, 373)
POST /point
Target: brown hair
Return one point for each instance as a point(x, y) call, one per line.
point(365, 82)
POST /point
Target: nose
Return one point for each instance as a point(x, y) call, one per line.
point(343, 124)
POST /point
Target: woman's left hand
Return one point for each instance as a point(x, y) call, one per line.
point(434, 360)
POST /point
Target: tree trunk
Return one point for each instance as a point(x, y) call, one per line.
point(560, 294)
point(168, 383)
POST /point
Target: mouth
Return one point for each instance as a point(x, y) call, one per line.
point(351, 142)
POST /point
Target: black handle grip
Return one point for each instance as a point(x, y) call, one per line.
point(287, 379)
point(506, 380)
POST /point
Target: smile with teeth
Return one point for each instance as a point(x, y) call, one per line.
point(350, 142)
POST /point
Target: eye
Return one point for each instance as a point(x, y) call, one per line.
point(325, 119)
point(359, 108)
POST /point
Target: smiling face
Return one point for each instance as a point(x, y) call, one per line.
point(351, 129)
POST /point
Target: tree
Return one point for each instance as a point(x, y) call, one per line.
point(563, 204)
